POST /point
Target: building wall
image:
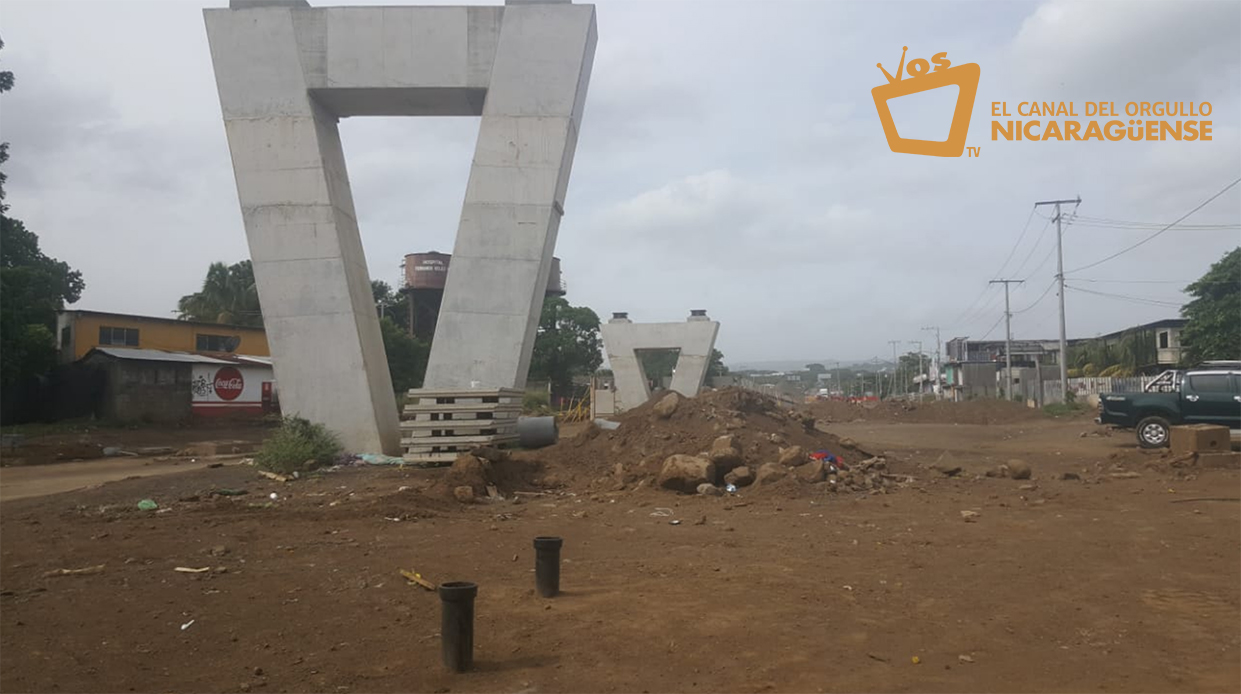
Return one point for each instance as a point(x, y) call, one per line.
point(153, 333)
point(145, 391)
point(233, 390)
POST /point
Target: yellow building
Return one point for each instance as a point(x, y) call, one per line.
point(78, 332)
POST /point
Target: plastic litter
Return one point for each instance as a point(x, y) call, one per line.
point(147, 505)
point(380, 459)
point(273, 496)
point(187, 625)
point(662, 512)
point(731, 489)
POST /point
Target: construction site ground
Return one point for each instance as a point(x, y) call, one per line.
point(1126, 579)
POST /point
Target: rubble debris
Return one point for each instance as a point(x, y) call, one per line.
point(970, 516)
point(463, 493)
point(1018, 469)
point(739, 476)
point(685, 472)
point(770, 472)
point(667, 405)
point(815, 471)
point(708, 489)
point(725, 453)
point(792, 456)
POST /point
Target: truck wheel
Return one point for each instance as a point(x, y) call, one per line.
point(1153, 432)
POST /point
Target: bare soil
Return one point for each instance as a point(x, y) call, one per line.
point(932, 412)
point(1124, 580)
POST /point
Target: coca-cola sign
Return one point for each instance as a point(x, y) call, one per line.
point(228, 383)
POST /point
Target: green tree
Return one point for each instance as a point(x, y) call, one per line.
point(229, 295)
point(407, 356)
point(1214, 314)
point(816, 369)
point(567, 344)
point(391, 304)
point(33, 288)
point(716, 366)
point(6, 83)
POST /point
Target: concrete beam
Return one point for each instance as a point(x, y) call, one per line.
point(623, 339)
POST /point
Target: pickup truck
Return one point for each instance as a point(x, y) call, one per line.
point(1206, 395)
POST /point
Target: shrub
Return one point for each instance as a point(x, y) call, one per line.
point(297, 446)
point(536, 403)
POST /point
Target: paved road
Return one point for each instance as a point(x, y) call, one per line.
point(41, 480)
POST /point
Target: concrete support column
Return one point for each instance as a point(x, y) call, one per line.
point(298, 211)
point(494, 292)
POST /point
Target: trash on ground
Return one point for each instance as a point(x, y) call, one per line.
point(274, 476)
point(379, 459)
point(662, 512)
point(75, 572)
point(187, 624)
point(188, 570)
point(415, 578)
point(147, 505)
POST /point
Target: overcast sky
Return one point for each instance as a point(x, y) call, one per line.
point(730, 159)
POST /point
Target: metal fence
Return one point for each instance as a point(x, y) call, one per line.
point(1083, 388)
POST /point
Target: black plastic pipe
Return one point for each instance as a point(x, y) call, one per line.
point(457, 624)
point(547, 565)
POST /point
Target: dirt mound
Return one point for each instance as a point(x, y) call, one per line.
point(490, 473)
point(635, 452)
point(933, 412)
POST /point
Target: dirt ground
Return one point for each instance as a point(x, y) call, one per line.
point(1124, 580)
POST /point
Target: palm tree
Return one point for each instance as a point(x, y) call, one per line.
point(228, 296)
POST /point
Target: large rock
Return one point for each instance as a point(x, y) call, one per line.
point(770, 472)
point(1018, 469)
point(683, 473)
point(740, 476)
point(464, 494)
point(725, 453)
point(792, 456)
point(814, 472)
point(667, 405)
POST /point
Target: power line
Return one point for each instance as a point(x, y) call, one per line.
point(1024, 228)
point(1131, 299)
point(1183, 217)
point(1038, 242)
point(1039, 299)
point(1104, 223)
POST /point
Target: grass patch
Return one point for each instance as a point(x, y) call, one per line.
point(298, 446)
point(1061, 409)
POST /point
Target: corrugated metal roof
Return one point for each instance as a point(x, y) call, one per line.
point(157, 355)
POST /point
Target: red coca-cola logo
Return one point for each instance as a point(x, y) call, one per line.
point(228, 383)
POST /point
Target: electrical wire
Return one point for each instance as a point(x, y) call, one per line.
point(1038, 300)
point(1123, 297)
point(967, 312)
point(1183, 217)
point(991, 329)
point(1037, 242)
point(1104, 223)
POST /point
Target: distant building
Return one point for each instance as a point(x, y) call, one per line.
point(78, 332)
point(1157, 345)
point(150, 385)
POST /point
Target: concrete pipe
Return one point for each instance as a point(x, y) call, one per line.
point(536, 432)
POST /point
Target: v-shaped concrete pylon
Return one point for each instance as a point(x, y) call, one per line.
point(623, 339)
point(286, 72)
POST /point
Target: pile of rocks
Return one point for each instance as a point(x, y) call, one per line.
point(724, 464)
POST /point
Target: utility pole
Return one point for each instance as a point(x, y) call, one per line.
point(1064, 342)
point(896, 366)
point(1008, 338)
point(935, 388)
point(921, 368)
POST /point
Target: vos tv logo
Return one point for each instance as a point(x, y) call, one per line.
point(922, 78)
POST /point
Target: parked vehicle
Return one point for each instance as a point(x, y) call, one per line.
point(1209, 394)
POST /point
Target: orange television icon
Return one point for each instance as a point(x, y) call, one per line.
point(922, 78)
